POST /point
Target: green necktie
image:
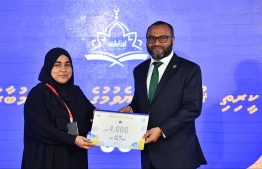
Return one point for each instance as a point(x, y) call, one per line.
point(154, 81)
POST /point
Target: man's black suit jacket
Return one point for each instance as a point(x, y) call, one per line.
point(176, 104)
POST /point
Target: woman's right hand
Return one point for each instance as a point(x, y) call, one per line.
point(83, 142)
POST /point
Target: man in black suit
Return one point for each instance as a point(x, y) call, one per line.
point(171, 140)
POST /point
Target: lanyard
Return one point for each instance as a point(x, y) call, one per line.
point(69, 112)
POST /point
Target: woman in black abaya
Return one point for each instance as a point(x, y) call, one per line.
point(57, 118)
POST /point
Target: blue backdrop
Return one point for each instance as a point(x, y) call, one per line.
point(106, 39)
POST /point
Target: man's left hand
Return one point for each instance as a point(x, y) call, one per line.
point(152, 135)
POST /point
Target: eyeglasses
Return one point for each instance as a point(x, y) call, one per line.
point(161, 39)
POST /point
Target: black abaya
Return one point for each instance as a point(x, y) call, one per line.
point(47, 143)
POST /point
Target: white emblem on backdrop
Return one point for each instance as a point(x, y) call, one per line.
point(116, 44)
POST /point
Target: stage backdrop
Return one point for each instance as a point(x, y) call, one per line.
point(106, 40)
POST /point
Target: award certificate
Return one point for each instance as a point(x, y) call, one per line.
point(122, 130)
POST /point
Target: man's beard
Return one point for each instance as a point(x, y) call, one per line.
point(162, 55)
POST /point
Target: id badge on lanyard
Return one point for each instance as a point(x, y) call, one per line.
point(72, 125)
point(72, 128)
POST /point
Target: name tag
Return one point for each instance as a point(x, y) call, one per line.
point(72, 128)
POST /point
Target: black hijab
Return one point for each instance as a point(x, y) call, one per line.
point(66, 90)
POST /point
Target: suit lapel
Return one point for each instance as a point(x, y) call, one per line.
point(171, 68)
point(143, 82)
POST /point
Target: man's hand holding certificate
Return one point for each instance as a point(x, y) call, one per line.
point(123, 130)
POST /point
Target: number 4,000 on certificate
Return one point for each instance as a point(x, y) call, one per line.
point(122, 130)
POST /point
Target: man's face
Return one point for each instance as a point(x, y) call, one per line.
point(157, 49)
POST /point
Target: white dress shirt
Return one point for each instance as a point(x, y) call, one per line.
point(161, 69)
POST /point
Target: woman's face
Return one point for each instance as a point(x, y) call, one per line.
point(62, 70)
